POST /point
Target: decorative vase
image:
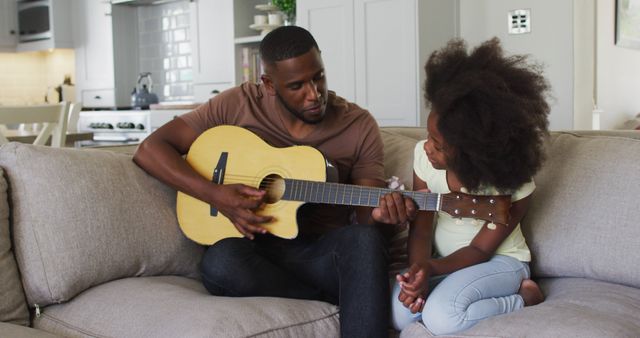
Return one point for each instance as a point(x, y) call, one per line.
point(290, 20)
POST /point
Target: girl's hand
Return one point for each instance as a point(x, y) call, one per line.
point(414, 285)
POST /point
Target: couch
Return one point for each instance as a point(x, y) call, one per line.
point(90, 247)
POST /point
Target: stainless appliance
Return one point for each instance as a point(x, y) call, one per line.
point(121, 127)
point(34, 20)
point(114, 127)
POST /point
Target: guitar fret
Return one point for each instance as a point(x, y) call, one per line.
point(352, 196)
point(323, 194)
point(306, 187)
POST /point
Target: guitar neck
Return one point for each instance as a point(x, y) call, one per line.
point(354, 195)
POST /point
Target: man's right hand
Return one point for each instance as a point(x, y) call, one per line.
point(238, 203)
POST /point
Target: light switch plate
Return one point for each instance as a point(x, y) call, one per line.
point(519, 21)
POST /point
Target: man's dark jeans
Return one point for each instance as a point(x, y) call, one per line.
point(347, 267)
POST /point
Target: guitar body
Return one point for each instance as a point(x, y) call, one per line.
point(250, 161)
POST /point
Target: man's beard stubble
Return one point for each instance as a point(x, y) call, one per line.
point(297, 114)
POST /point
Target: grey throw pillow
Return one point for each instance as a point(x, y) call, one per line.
point(86, 217)
point(13, 307)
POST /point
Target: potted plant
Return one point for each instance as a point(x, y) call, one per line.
point(288, 8)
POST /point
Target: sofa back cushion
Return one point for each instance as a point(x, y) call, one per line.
point(13, 307)
point(85, 217)
point(584, 219)
point(398, 152)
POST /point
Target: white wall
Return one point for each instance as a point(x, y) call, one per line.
point(550, 42)
point(584, 46)
point(618, 72)
point(438, 23)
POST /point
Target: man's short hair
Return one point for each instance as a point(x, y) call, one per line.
point(286, 42)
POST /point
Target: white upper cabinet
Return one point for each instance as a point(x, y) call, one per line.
point(93, 39)
point(332, 24)
point(106, 45)
point(374, 51)
point(369, 51)
point(8, 25)
point(212, 41)
point(387, 68)
point(220, 30)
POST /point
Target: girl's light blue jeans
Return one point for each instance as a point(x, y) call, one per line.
point(461, 299)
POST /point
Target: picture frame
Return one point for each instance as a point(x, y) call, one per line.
point(627, 30)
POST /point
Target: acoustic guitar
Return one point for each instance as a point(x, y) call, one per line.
point(291, 177)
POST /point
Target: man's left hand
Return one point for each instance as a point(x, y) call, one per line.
point(394, 208)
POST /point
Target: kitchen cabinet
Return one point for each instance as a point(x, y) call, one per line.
point(220, 31)
point(94, 57)
point(212, 47)
point(374, 52)
point(105, 36)
point(247, 40)
point(8, 26)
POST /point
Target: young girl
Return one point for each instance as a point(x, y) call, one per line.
point(485, 137)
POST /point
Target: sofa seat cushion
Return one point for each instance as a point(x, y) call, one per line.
point(85, 217)
point(18, 331)
point(13, 307)
point(173, 306)
point(574, 307)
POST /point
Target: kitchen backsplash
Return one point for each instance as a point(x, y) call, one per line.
point(25, 78)
point(165, 49)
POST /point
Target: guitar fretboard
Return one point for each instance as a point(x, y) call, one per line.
point(346, 194)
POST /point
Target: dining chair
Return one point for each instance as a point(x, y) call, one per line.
point(53, 119)
point(73, 116)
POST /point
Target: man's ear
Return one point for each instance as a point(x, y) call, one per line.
point(268, 84)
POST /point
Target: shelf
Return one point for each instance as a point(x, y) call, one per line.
point(267, 8)
point(264, 29)
point(249, 39)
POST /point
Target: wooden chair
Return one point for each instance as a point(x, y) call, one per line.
point(52, 117)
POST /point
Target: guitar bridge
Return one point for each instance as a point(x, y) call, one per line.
point(218, 176)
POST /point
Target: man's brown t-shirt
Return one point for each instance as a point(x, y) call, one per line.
point(348, 136)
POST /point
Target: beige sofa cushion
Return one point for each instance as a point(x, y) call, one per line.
point(171, 306)
point(574, 307)
point(16, 331)
point(398, 153)
point(13, 307)
point(584, 220)
point(85, 217)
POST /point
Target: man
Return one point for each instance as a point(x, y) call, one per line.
point(330, 260)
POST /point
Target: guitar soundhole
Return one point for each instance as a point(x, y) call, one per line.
point(274, 186)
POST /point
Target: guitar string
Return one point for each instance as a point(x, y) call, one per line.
point(270, 181)
point(267, 183)
point(251, 179)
